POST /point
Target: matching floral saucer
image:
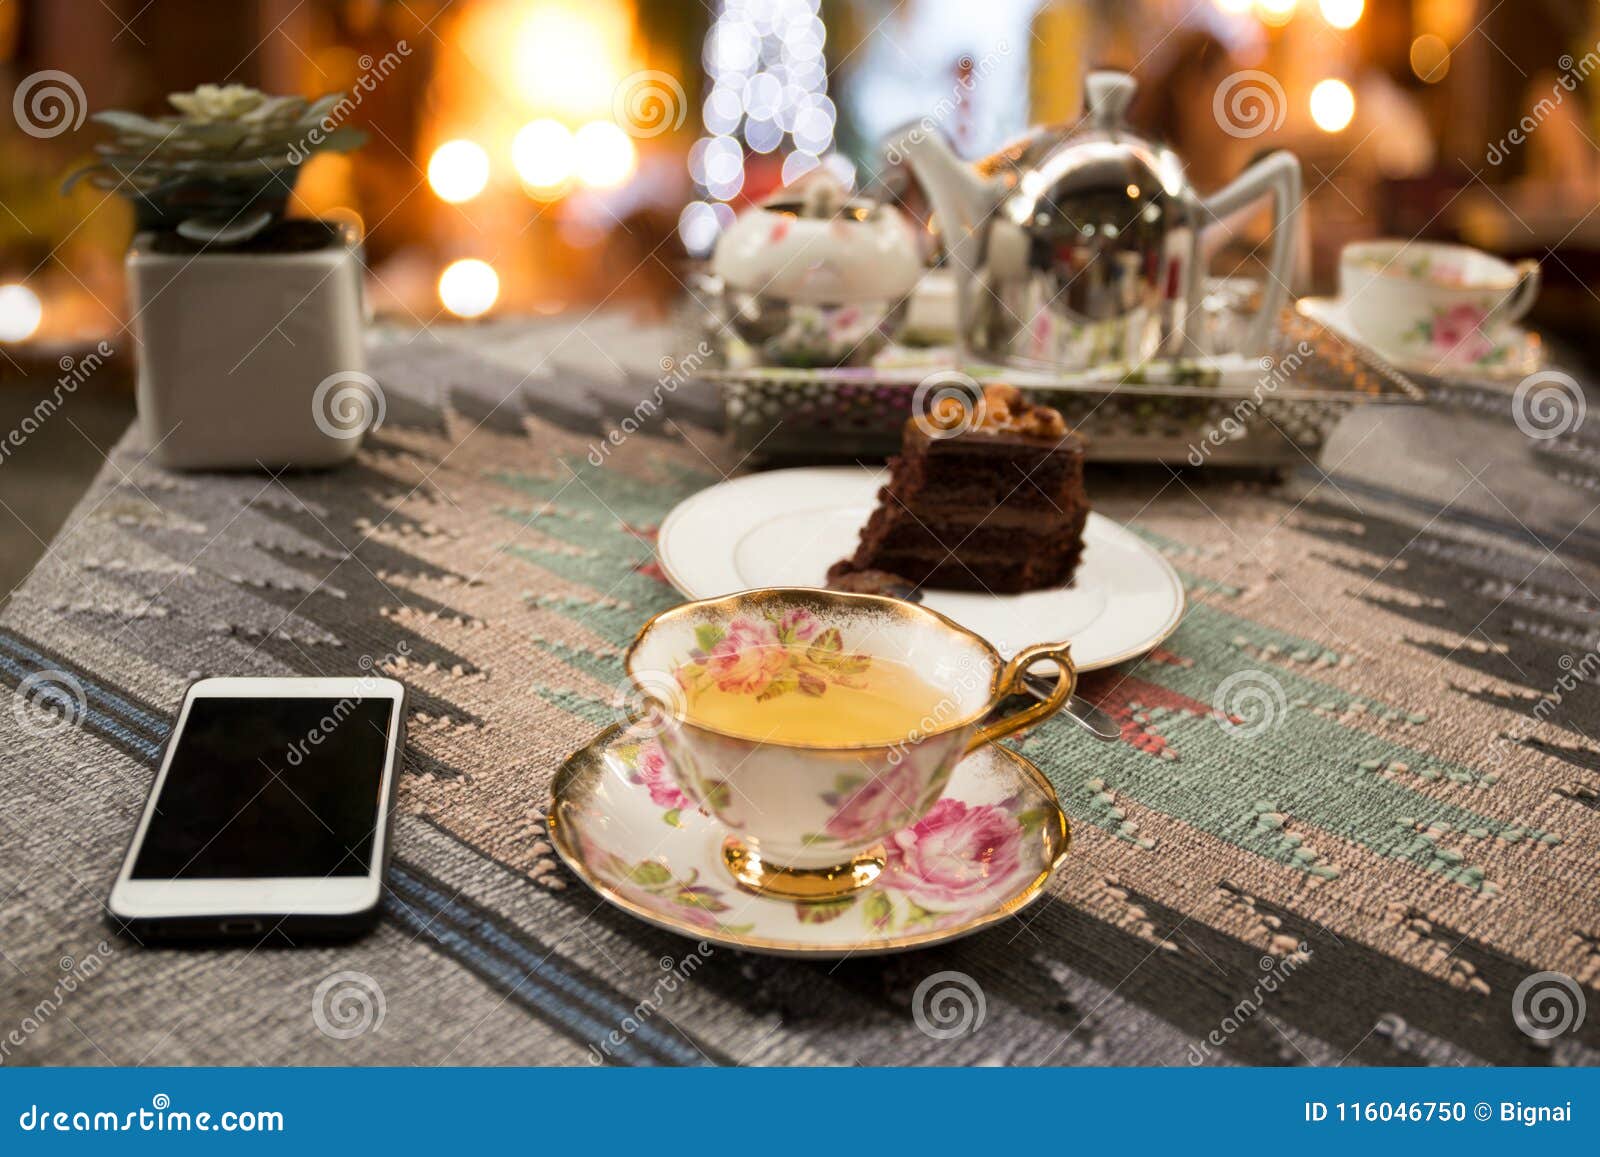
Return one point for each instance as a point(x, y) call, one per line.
point(984, 852)
point(1450, 347)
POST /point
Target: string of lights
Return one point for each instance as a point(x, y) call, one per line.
point(767, 92)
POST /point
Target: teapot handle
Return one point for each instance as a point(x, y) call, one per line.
point(1278, 174)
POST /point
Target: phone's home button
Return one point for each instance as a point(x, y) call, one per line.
point(240, 927)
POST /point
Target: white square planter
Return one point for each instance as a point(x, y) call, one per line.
point(249, 359)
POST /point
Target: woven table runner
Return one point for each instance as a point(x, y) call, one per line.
point(1354, 807)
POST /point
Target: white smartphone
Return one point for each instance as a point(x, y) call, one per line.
point(270, 814)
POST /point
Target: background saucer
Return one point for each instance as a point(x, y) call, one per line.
point(1518, 353)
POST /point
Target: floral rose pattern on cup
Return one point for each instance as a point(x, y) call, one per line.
point(1457, 333)
point(954, 861)
point(771, 656)
point(646, 765)
point(865, 804)
point(954, 853)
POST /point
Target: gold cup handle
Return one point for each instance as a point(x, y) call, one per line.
point(1010, 683)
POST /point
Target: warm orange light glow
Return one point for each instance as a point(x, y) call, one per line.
point(543, 153)
point(1342, 13)
point(570, 56)
point(1430, 58)
point(1276, 12)
point(1450, 20)
point(20, 312)
point(606, 157)
point(1333, 105)
point(556, 63)
point(458, 171)
point(469, 287)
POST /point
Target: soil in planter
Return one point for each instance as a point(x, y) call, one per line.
point(296, 235)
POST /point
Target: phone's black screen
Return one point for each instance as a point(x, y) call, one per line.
point(270, 787)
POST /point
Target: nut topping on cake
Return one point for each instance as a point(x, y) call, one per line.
point(954, 515)
point(1001, 410)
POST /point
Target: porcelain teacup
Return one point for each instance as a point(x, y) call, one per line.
point(1421, 298)
point(807, 820)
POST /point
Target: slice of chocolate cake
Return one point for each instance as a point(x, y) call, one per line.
point(992, 501)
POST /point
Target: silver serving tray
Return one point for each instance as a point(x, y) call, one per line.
point(1272, 412)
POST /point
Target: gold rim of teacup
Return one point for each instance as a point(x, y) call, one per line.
point(821, 595)
point(1394, 250)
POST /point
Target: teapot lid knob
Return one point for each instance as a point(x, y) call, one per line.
point(1109, 95)
point(821, 194)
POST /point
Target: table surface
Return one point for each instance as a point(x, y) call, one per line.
point(1369, 878)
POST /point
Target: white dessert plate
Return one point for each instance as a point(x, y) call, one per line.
point(787, 527)
point(1511, 356)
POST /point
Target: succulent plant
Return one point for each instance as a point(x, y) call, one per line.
point(222, 168)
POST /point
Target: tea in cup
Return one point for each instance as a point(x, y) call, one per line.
point(814, 724)
point(1427, 299)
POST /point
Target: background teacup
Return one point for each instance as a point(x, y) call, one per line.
point(1423, 298)
point(807, 820)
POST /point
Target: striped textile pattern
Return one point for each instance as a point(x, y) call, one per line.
point(1361, 770)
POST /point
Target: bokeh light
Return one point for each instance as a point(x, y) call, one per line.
point(1333, 105)
point(1430, 58)
point(469, 287)
point(605, 155)
point(767, 96)
point(544, 154)
point(1276, 13)
point(570, 56)
point(20, 312)
point(1343, 13)
point(458, 171)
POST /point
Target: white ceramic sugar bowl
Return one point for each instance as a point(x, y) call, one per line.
point(815, 277)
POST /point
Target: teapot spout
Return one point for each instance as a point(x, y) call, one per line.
point(961, 198)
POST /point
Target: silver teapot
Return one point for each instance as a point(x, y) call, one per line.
point(1082, 248)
